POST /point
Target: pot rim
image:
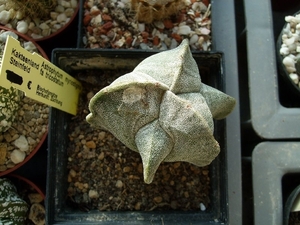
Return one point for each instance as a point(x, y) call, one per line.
point(32, 153)
point(62, 28)
point(29, 182)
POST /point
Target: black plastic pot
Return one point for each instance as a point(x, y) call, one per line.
point(271, 161)
point(270, 116)
point(281, 67)
point(292, 199)
point(72, 61)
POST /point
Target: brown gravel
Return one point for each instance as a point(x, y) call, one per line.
point(114, 24)
point(105, 175)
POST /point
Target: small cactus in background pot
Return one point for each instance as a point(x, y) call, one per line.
point(13, 209)
point(9, 98)
point(34, 8)
point(9, 106)
point(148, 11)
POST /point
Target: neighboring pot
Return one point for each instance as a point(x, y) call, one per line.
point(61, 30)
point(7, 137)
point(125, 25)
point(64, 14)
point(292, 205)
point(288, 52)
point(29, 182)
point(33, 196)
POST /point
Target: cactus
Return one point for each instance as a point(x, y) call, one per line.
point(9, 106)
point(163, 111)
point(149, 10)
point(34, 8)
point(9, 98)
point(13, 209)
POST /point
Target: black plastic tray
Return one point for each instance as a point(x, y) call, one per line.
point(272, 161)
point(212, 73)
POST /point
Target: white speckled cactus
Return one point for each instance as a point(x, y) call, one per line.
point(9, 106)
point(13, 209)
point(163, 111)
point(9, 98)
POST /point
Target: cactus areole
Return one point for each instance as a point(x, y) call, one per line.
point(163, 111)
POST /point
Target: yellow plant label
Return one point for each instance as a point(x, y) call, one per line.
point(38, 78)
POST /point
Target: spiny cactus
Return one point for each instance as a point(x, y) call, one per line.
point(34, 8)
point(149, 10)
point(163, 111)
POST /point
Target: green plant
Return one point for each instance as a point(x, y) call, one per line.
point(9, 106)
point(163, 111)
point(13, 209)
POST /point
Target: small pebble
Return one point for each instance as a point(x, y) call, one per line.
point(101, 156)
point(126, 169)
point(22, 143)
point(294, 77)
point(289, 63)
point(37, 214)
point(17, 156)
point(4, 17)
point(159, 24)
point(72, 173)
point(202, 207)
point(137, 206)
point(205, 172)
point(184, 30)
point(93, 194)
point(141, 27)
point(119, 184)
point(194, 39)
point(91, 144)
point(22, 27)
point(158, 199)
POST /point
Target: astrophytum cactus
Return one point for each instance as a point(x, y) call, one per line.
point(9, 106)
point(163, 111)
point(13, 209)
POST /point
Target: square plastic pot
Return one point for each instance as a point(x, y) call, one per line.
point(271, 161)
point(211, 66)
point(269, 118)
point(223, 40)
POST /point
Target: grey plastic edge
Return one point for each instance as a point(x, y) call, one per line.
point(269, 118)
point(270, 161)
point(221, 42)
